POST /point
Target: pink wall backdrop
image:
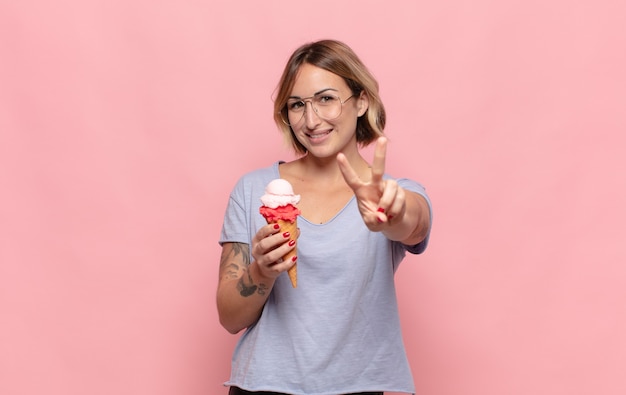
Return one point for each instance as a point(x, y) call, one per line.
point(124, 125)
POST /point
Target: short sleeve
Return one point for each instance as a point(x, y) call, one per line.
point(416, 187)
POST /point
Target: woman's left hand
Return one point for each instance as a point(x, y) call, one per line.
point(379, 200)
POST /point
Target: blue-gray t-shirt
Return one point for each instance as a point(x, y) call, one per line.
point(339, 331)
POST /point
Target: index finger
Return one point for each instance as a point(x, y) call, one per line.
point(268, 230)
point(349, 175)
point(378, 163)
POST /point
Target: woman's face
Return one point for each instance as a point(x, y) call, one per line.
point(324, 137)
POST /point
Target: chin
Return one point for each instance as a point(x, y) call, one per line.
point(322, 153)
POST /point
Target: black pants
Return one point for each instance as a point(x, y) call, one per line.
point(239, 391)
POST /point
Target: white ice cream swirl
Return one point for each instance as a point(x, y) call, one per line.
point(279, 192)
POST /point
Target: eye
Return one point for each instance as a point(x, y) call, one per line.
point(326, 99)
point(295, 105)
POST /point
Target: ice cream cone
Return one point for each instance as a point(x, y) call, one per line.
point(278, 208)
point(292, 228)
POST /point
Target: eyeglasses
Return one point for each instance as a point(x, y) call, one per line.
point(327, 106)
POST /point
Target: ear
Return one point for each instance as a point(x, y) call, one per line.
point(363, 103)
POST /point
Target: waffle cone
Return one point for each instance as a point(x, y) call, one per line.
point(292, 228)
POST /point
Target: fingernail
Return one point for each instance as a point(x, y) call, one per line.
point(379, 220)
point(295, 258)
point(390, 216)
point(381, 210)
point(286, 235)
point(292, 243)
point(276, 226)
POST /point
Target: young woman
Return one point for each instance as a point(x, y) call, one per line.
point(338, 332)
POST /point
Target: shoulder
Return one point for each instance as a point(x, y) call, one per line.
point(251, 185)
point(257, 178)
point(408, 184)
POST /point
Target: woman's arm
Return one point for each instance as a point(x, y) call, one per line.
point(241, 291)
point(411, 226)
point(244, 286)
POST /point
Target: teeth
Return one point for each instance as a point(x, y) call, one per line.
point(317, 135)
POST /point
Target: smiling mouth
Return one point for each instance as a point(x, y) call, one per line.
point(318, 134)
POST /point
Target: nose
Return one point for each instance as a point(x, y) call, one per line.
point(310, 115)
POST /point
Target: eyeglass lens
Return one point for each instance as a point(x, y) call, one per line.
point(326, 106)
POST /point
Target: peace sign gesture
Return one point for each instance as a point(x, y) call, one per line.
point(379, 200)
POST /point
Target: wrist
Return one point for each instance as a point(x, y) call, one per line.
point(258, 277)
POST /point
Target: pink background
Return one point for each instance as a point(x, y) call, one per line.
point(124, 125)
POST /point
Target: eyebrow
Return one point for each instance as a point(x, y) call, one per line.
point(316, 93)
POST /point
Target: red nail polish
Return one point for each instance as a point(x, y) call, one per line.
point(381, 210)
point(276, 226)
point(295, 258)
point(292, 243)
point(380, 221)
point(286, 235)
point(390, 217)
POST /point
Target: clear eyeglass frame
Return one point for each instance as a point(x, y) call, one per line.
point(318, 101)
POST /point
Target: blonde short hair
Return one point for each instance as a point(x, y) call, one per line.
point(338, 58)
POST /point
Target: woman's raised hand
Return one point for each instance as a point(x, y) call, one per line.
point(379, 200)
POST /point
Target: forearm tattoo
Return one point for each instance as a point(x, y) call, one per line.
point(232, 268)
